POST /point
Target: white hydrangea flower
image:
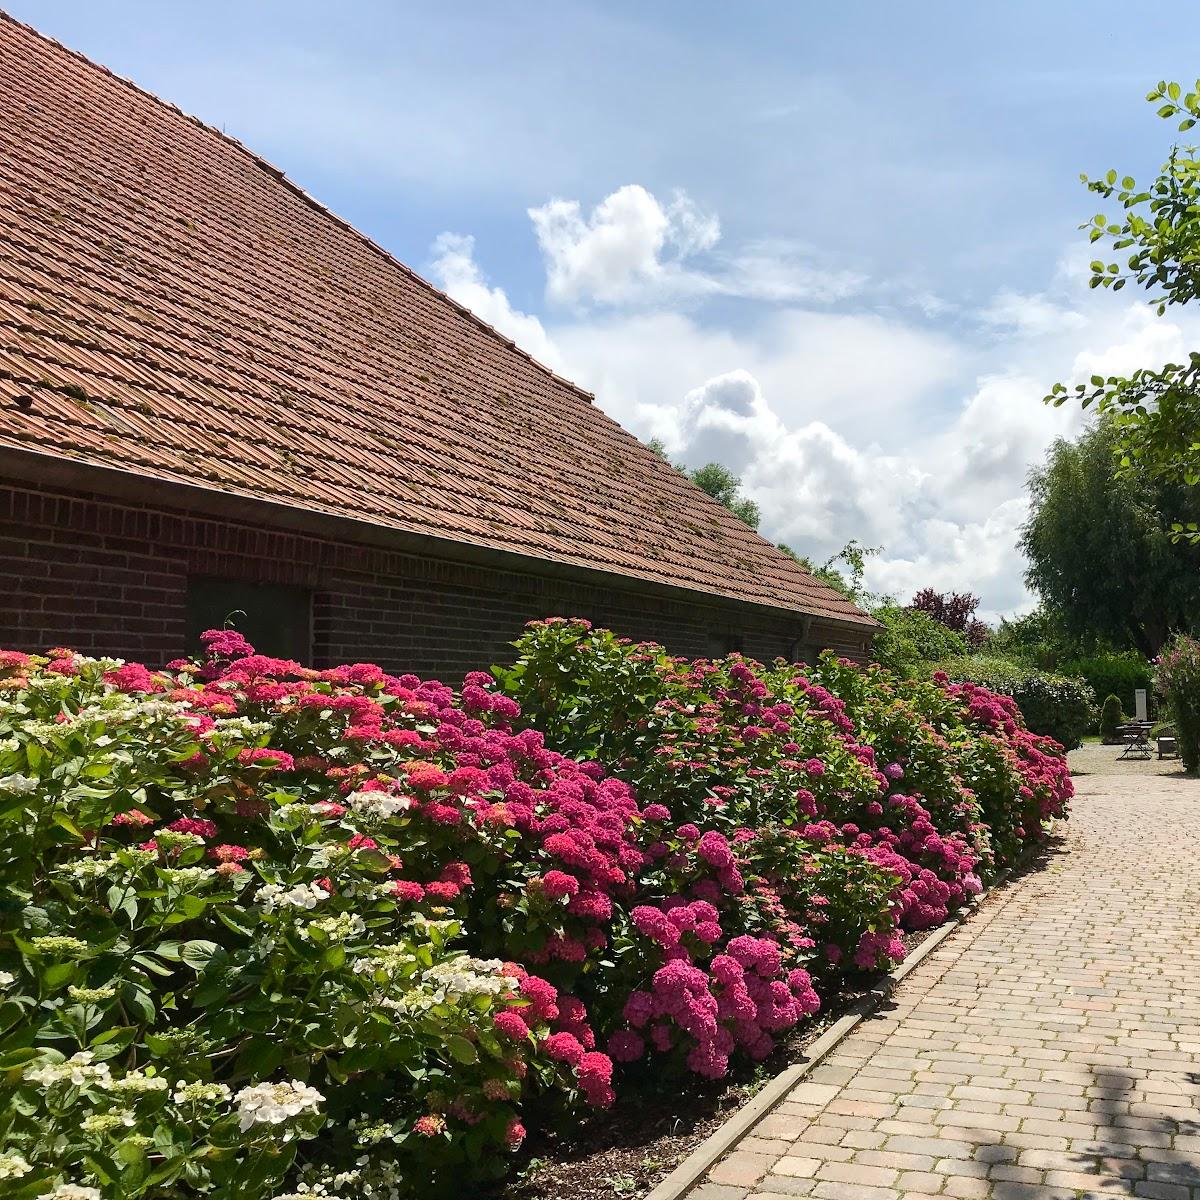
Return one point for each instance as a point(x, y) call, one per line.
point(466, 976)
point(88, 868)
point(174, 839)
point(187, 876)
point(378, 804)
point(455, 979)
point(121, 708)
point(74, 1191)
point(201, 1093)
point(303, 895)
point(236, 729)
point(91, 995)
point(7, 979)
point(339, 928)
point(140, 858)
point(13, 1166)
point(138, 1083)
point(78, 1070)
point(117, 1118)
point(275, 1103)
point(18, 785)
point(59, 945)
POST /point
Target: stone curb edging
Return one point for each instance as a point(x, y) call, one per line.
point(693, 1168)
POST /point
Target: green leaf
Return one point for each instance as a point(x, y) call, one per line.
point(197, 953)
point(260, 1057)
point(58, 976)
point(138, 1003)
point(122, 1035)
point(61, 818)
point(461, 1049)
point(191, 906)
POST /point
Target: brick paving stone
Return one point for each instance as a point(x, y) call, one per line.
point(1050, 1048)
point(741, 1169)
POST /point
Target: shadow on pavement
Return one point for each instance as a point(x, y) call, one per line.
point(1132, 1153)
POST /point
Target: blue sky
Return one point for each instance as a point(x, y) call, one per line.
point(834, 246)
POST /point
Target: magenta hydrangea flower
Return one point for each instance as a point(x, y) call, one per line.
point(509, 1024)
point(626, 1046)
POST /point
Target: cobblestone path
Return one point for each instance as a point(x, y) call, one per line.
point(1050, 1048)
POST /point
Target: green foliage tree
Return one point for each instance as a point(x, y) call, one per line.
point(911, 640)
point(1110, 717)
point(1101, 554)
point(726, 488)
point(1155, 412)
point(853, 557)
point(717, 481)
point(1037, 638)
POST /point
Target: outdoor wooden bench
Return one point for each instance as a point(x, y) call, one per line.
point(1166, 746)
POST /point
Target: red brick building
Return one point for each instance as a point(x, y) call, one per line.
point(215, 396)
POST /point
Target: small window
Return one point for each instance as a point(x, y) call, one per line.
point(721, 644)
point(274, 619)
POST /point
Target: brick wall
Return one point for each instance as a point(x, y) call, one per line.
point(111, 577)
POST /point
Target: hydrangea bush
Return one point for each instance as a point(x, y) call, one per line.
point(268, 931)
point(1056, 706)
point(932, 780)
point(200, 882)
point(1177, 677)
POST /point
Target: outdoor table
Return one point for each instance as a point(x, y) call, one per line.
point(1136, 736)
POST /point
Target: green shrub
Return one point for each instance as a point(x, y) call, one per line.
point(1119, 674)
point(210, 969)
point(1110, 717)
point(1053, 705)
point(911, 640)
point(262, 927)
point(1177, 676)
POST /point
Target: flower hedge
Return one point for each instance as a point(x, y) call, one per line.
point(268, 931)
point(1057, 706)
point(1177, 677)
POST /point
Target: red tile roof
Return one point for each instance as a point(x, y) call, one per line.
point(178, 309)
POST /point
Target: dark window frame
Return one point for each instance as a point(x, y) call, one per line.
point(722, 643)
point(276, 618)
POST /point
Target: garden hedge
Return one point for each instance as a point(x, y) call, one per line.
point(1120, 674)
point(267, 931)
point(1111, 718)
point(1055, 706)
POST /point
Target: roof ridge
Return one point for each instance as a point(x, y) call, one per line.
point(282, 177)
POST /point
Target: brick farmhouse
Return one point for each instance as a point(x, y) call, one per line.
point(217, 396)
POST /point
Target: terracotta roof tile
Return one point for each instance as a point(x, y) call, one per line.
point(178, 308)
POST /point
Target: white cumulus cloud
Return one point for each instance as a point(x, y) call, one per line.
point(633, 249)
point(629, 247)
point(842, 424)
point(455, 271)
